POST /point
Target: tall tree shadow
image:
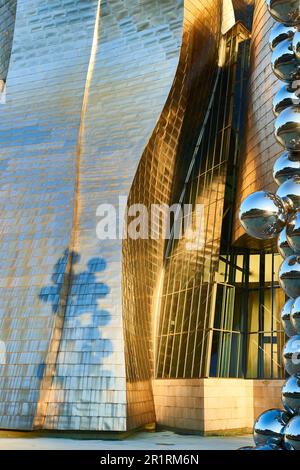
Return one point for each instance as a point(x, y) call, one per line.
point(82, 348)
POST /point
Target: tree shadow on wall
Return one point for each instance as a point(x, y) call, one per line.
point(82, 348)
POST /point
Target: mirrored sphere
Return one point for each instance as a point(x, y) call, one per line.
point(280, 32)
point(284, 98)
point(284, 62)
point(262, 215)
point(291, 395)
point(289, 276)
point(289, 193)
point(291, 355)
point(287, 128)
point(296, 44)
point(292, 434)
point(286, 166)
point(283, 246)
point(285, 11)
point(270, 425)
point(285, 315)
point(295, 316)
point(293, 232)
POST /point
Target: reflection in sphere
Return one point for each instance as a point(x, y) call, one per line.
point(295, 316)
point(289, 193)
point(286, 166)
point(296, 44)
point(269, 426)
point(289, 276)
point(262, 215)
point(292, 434)
point(285, 315)
point(291, 355)
point(291, 395)
point(287, 128)
point(283, 246)
point(284, 62)
point(279, 33)
point(285, 11)
point(293, 232)
point(285, 98)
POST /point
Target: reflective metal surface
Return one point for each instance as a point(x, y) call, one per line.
point(285, 11)
point(291, 395)
point(295, 316)
point(285, 315)
point(87, 81)
point(293, 231)
point(284, 98)
point(270, 426)
point(292, 434)
point(287, 128)
point(261, 149)
point(286, 166)
point(279, 33)
point(262, 215)
point(283, 245)
point(284, 62)
point(296, 44)
point(289, 276)
point(291, 355)
point(289, 193)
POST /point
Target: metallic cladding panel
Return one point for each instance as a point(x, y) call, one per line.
point(261, 148)
point(38, 151)
point(158, 179)
point(84, 93)
point(133, 67)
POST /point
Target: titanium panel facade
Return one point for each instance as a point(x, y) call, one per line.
point(86, 86)
point(261, 148)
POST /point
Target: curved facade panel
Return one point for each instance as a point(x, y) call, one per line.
point(38, 151)
point(160, 173)
point(132, 67)
point(261, 148)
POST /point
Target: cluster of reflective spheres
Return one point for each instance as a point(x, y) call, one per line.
point(265, 215)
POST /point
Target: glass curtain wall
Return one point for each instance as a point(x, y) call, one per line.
point(190, 293)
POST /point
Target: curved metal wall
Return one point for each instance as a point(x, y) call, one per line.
point(38, 151)
point(86, 86)
point(158, 180)
point(261, 148)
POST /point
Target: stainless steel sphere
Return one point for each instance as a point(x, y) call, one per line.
point(285, 11)
point(262, 215)
point(286, 166)
point(291, 395)
point(296, 44)
point(293, 232)
point(287, 128)
point(291, 355)
point(289, 193)
point(285, 64)
point(289, 276)
point(285, 315)
point(284, 98)
point(295, 316)
point(269, 427)
point(292, 434)
point(282, 244)
point(280, 32)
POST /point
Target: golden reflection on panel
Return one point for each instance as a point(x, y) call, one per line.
point(261, 148)
point(157, 181)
